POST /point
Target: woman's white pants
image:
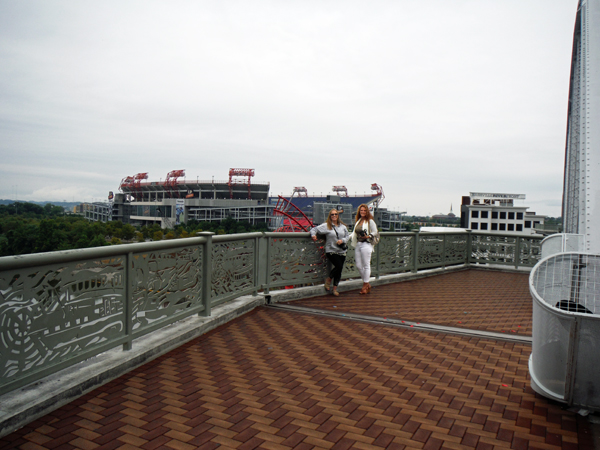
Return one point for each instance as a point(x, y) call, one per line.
point(362, 256)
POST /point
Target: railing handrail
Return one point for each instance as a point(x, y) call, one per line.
point(73, 304)
point(33, 259)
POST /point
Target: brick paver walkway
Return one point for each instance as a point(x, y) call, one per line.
point(278, 380)
point(473, 299)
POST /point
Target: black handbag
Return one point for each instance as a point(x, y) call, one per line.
point(343, 245)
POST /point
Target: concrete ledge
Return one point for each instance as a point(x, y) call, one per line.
point(20, 407)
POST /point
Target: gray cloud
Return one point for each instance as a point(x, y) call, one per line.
point(431, 100)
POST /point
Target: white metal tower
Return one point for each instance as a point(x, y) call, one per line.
point(581, 192)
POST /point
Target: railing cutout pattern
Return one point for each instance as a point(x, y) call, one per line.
point(59, 308)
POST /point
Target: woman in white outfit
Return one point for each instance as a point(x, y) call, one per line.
point(365, 232)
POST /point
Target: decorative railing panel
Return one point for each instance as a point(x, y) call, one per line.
point(165, 284)
point(233, 269)
point(455, 249)
point(510, 250)
point(493, 249)
point(57, 309)
point(530, 251)
point(431, 250)
point(294, 260)
point(396, 253)
point(50, 313)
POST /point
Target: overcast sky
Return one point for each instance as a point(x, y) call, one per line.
point(429, 99)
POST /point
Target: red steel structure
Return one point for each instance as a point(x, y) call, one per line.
point(134, 183)
point(340, 190)
point(245, 173)
point(170, 183)
point(301, 191)
point(378, 192)
point(294, 220)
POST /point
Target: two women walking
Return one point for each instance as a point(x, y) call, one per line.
point(363, 238)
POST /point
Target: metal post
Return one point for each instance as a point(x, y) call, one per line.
point(469, 247)
point(128, 304)
point(268, 265)
point(257, 242)
point(517, 252)
point(572, 353)
point(206, 272)
point(416, 252)
point(444, 250)
point(377, 259)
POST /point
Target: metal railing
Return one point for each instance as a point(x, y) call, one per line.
point(60, 308)
point(566, 328)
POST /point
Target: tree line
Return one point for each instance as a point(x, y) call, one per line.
point(30, 228)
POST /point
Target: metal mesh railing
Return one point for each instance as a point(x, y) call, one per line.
point(566, 328)
point(569, 281)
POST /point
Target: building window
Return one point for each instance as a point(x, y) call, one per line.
point(484, 214)
point(511, 227)
point(502, 227)
point(474, 214)
point(474, 225)
point(511, 216)
point(484, 226)
point(528, 224)
point(494, 214)
point(503, 214)
point(519, 216)
point(494, 227)
point(519, 227)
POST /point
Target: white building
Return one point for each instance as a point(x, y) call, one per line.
point(497, 213)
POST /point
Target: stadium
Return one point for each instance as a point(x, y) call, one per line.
point(176, 200)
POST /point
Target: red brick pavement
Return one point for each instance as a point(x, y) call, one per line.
point(279, 380)
point(475, 299)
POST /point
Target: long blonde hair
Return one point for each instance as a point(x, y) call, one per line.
point(368, 217)
point(339, 221)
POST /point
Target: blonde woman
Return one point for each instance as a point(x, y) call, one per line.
point(363, 236)
point(336, 238)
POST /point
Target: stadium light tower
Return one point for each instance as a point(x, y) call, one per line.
point(581, 191)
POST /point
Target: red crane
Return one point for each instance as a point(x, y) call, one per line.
point(378, 192)
point(301, 191)
point(137, 184)
point(126, 182)
point(340, 190)
point(245, 173)
point(170, 183)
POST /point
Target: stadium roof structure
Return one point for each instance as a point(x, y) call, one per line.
point(306, 203)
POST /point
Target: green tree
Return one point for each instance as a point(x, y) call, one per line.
point(98, 241)
point(49, 237)
point(128, 232)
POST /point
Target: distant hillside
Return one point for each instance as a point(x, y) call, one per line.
point(67, 205)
